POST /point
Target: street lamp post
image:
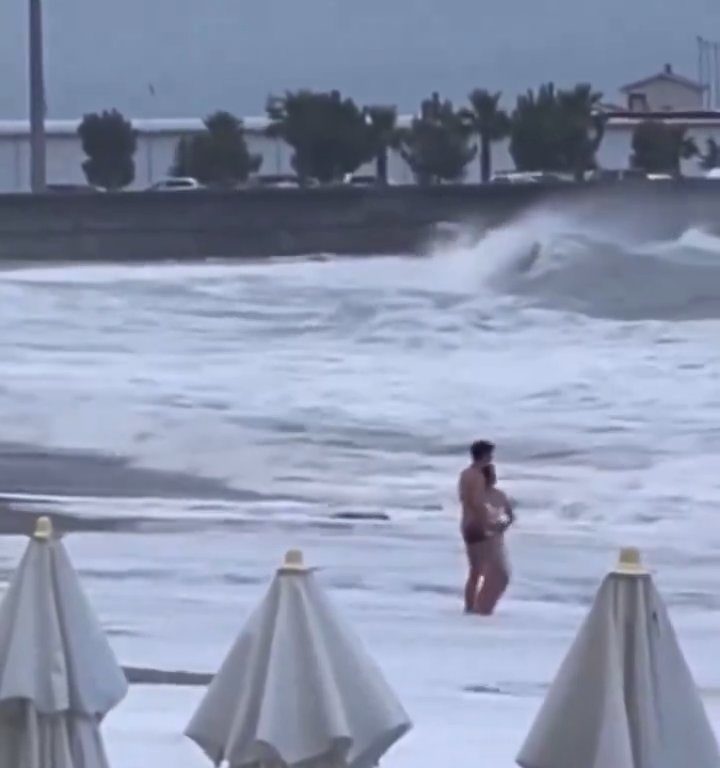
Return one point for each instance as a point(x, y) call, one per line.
point(37, 100)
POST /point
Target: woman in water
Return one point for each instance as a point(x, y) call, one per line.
point(496, 569)
point(475, 523)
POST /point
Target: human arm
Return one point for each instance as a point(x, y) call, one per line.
point(509, 511)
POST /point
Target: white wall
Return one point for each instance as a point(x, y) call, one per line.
point(615, 150)
point(153, 159)
point(156, 150)
point(13, 166)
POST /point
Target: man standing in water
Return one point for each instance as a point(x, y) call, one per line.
point(476, 526)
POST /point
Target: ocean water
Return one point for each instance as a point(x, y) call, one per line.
point(327, 404)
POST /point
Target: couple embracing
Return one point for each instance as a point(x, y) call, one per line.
point(486, 515)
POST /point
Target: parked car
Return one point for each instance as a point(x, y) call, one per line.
point(72, 189)
point(277, 180)
point(360, 180)
point(176, 184)
point(621, 174)
point(527, 177)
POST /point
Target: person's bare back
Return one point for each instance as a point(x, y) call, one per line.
point(472, 494)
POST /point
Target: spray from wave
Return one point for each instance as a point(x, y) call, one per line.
point(597, 268)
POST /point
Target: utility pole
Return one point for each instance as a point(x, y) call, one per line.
point(716, 75)
point(37, 100)
point(709, 71)
point(701, 70)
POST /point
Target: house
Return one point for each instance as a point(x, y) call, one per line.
point(665, 91)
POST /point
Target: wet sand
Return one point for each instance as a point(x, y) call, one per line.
point(27, 469)
point(32, 479)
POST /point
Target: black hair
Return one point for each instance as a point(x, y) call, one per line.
point(481, 449)
point(490, 475)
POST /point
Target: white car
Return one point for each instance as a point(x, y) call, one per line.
point(527, 177)
point(276, 180)
point(177, 184)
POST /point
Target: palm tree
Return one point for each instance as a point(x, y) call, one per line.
point(489, 122)
point(437, 145)
point(383, 122)
point(535, 140)
point(585, 126)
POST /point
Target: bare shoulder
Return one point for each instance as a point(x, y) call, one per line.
point(462, 480)
point(471, 482)
point(465, 482)
point(468, 477)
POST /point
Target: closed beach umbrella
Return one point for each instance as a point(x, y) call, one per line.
point(624, 696)
point(297, 688)
point(58, 676)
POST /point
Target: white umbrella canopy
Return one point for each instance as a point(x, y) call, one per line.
point(58, 675)
point(297, 688)
point(624, 696)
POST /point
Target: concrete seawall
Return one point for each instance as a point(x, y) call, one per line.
point(342, 220)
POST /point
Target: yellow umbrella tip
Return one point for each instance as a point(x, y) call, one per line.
point(630, 562)
point(43, 529)
point(293, 561)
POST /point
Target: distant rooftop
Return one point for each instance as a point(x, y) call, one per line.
point(142, 125)
point(667, 75)
point(700, 118)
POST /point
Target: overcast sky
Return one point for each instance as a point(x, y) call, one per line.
point(202, 55)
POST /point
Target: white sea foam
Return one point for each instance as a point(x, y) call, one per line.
point(346, 385)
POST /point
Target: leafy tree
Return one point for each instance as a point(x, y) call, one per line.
point(437, 145)
point(218, 156)
point(109, 142)
point(582, 126)
point(557, 130)
point(533, 137)
point(383, 122)
point(711, 157)
point(330, 136)
point(658, 147)
point(489, 123)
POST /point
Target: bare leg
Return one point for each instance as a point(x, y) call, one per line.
point(492, 590)
point(476, 563)
point(497, 578)
point(471, 589)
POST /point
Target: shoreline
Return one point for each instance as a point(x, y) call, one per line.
point(35, 479)
point(41, 471)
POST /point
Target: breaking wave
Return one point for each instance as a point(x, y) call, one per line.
point(563, 263)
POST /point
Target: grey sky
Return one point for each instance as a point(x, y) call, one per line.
point(202, 55)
